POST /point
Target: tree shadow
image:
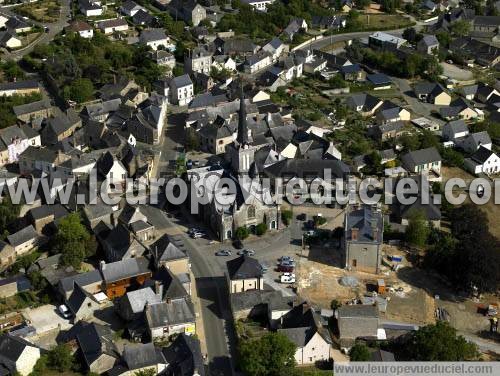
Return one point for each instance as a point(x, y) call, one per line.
point(220, 366)
point(431, 283)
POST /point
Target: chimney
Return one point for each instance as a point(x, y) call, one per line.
point(158, 288)
point(354, 233)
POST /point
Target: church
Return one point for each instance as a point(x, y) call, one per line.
point(249, 208)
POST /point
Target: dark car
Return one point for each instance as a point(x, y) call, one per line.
point(238, 244)
point(302, 217)
point(285, 268)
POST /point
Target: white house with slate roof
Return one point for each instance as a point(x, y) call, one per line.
point(17, 355)
point(82, 303)
point(141, 357)
point(130, 8)
point(475, 140)
point(483, 161)
point(181, 90)
point(155, 38)
point(174, 316)
point(24, 240)
point(244, 274)
point(422, 161)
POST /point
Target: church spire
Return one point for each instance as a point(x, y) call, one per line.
point(242, 137)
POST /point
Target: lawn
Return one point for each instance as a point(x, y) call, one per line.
point(383, 21)
point(41, 11)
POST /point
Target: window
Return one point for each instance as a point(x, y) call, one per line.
point(251, 211)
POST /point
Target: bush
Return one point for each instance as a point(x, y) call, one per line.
point(260, 229)
point(286, 216)
point(359, 353)
point(319, 220)
point(241, 233)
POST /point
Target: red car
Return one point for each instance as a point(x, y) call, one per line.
point(285, 268)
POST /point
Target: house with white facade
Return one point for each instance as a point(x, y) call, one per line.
point(156, 38)
point(483, 161)
point(260, 5)
point(181, 90)
point(18, 356)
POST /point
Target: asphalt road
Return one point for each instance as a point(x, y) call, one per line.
point(54, 29)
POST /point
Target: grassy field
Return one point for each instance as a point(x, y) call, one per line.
point(383, 21)
point(41, 11)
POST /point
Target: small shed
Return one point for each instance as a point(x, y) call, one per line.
point(380, 286)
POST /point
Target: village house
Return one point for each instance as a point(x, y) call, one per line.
point(428, 44)
point(432, 92)
point(174, 316)
point(260, 5)
point(18, 356)
point(139, 358)
point(384, 41)
point(483, 161)
point(198, 60)
point(257, 62)
point(455, 130)
point(90, 281)
point(184, 353)
point(98, 350)
point(422, 161)
point(82, 304)
point(19, 88)
point(120, 275)
point(356, 321)
point(17, 25)
point(155, 38)
point(24, 240)
point(81, 28)
point(216, 135)
point(188, 10)
point(35, 110)
point(365, 104)
point(363, 239)
point(13, 285)
point(113, 26)
point(90, 8)
point(181, 90)
point(130, 8)
point(10, 40)
point(163, 58)
point(474, 141)
point(244, 274)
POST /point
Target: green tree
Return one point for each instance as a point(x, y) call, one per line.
point(460, 28)
point(146, 372)
point(80, 90)
point(12, 71)
point(73, 240)
point(271, 355)
point(438, 343)
point(418, 229)
point(286, 216)
point(60, 358)
point(359, 353)
point(260, 229)
point(241, 233)
point(335, 304)
point(192, 140)
point(8, 212)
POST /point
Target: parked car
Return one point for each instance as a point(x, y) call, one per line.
point(264, 268)
point(197, 235)
point(285, 258)
point(247, 252)
point(64, 311)
point(285, 268)
point(288, 263)
point(287, 278)
point(310, 232)
point(193, 229)
point(223, 252)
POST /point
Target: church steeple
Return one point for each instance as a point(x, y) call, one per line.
point(242, 137)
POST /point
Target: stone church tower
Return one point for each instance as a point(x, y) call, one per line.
point(240, 152)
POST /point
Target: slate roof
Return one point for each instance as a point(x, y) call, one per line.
point(366, 220)
point(22, 236)
point(128, 268)
point(11, 348)
point(184, 356)
point(82, 279)
point(142, 355)
point(152, 35)
point(307, 168)
point(481, 155)
point(112, 23)
point(422, 156)
point(167, 250)
point(379, 79)
point(31, 107)
point(173, 312)
point(358, 310)
point(299, 336)
point(480, 138)
point(429, 40)
point(244, 267)
point(138, 299)
point(19, 85)
point(96, 340)
point(181, 81)
point(77, 298)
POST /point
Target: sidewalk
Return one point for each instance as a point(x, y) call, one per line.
point(200, 328)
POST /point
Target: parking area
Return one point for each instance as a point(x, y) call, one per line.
point(45, 319)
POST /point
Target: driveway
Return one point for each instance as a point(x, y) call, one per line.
point(45, 318)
